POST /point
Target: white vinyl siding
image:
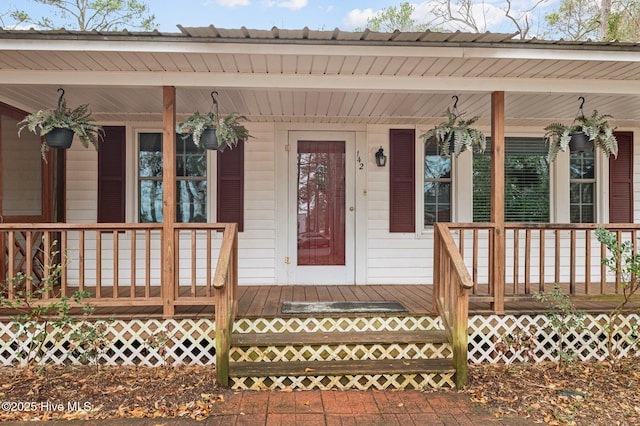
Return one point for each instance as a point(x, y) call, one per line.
point(385, 258)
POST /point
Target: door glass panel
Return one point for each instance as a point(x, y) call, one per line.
point(321, 203)
point(21, 170)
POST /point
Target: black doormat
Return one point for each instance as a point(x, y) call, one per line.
point(342, 307)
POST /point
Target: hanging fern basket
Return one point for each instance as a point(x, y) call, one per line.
point(59, 138)
point(580, 142)
point(209, 139)
point(452, 145)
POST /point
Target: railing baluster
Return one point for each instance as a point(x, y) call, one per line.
point(603, 270)
point(47, 262)
point(116, 274)
point(208, 265)
point(176, 262)
point(132, 263)
point(556, 266)
point(234, 273)
point(147, 261)
point(516, 260)
point(542, 261)
point(63, 266)
point(475, 260)
point(11, 273)
point(635, 250)
point(81, 258)
point(587, 262)
point(491, 232)
point(527, 262)
point(98, 264)
point(572, 264)
point(619, 238)
point(436, 268)
point(29, 257)
point(194, 253)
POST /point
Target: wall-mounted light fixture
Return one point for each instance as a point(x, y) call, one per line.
point(381, 159)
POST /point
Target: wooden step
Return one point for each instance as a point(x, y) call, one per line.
point(339, 368)
point(337, 338)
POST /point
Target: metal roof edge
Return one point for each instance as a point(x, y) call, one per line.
point(212, 34)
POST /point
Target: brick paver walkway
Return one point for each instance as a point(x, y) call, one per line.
point(328, 408)
point(367, 408)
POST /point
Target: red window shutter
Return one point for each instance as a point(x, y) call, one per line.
point(230, 181)
point(621, 180)
point(402, 180)
point(112, 176)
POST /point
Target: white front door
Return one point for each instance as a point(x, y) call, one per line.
point(321, 241)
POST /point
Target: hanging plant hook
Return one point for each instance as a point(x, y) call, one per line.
point(580, 110)
point(214, 95)
point(455, 104)
point(61, 98)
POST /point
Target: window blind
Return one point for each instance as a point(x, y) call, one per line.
point(526, 182)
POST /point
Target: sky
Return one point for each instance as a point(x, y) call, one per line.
point(288, 14)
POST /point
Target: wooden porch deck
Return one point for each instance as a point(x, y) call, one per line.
point(266, 301)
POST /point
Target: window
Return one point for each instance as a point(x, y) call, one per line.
point(191, 179)
point(582, 183)
point(527, 183)
point(437, 185)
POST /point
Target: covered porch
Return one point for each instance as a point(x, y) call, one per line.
point(43, 276)
point(355, 89)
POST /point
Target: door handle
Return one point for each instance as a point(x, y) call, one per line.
point(351, 208)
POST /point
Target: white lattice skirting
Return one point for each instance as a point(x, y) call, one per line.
point(193, 341)
point(130, 343)
point(588, 344)
point(346, 382)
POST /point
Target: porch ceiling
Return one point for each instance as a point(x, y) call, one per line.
point(320, 76)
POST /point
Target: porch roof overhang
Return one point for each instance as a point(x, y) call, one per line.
point(320, 76)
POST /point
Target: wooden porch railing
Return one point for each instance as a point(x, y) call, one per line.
point(226, 285)
point(117, 264)
point(451, 284)
point(537, 256)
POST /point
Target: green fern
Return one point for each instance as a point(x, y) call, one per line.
point(228, 129)
point(595, 126)
point(78, 119)
point(463, 136)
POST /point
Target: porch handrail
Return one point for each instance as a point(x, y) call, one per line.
point(539, 255)
point(451, 284)
point(115, 263)
point(225, 283)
